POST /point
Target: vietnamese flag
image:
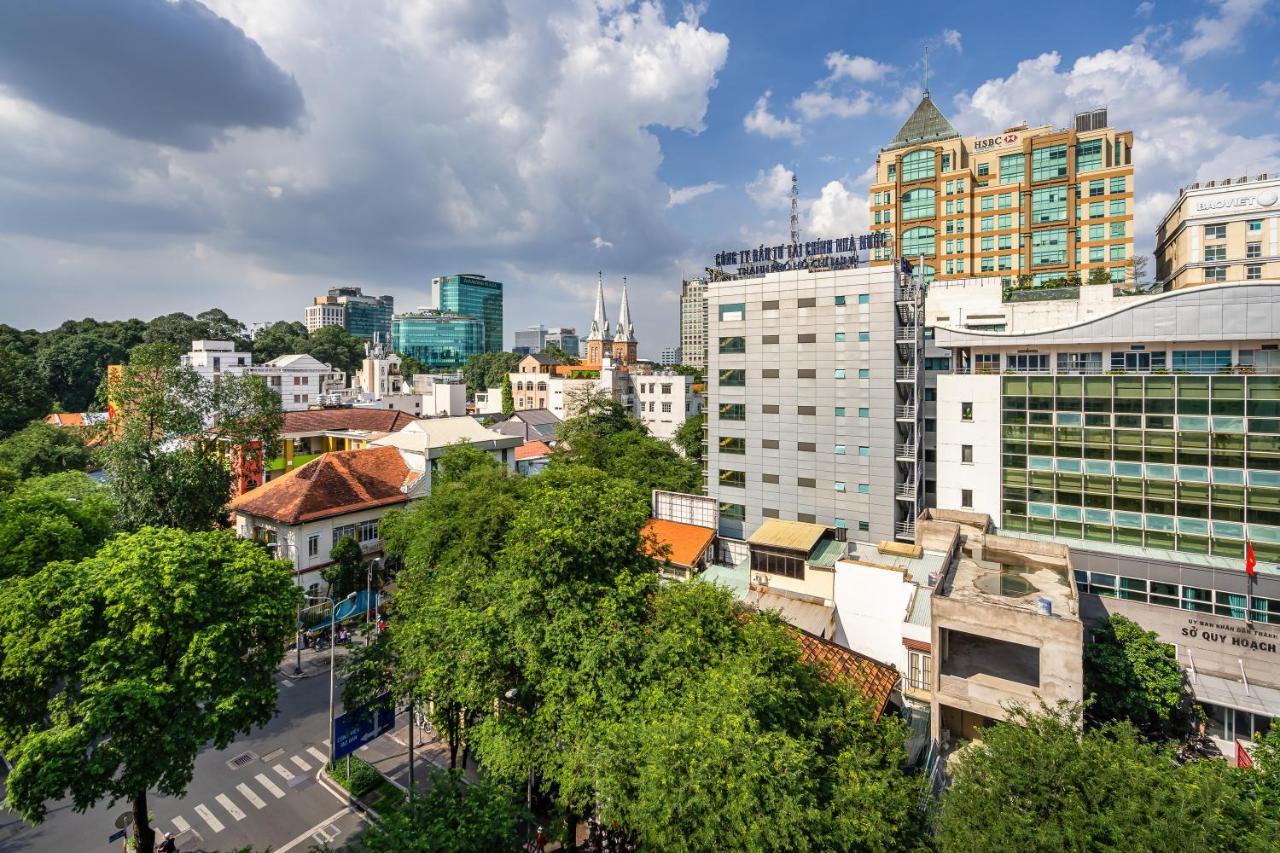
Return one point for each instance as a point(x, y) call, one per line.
point(1249, 560)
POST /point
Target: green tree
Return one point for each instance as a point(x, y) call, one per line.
point(41, 448)
point(337, 347)
point(59, 517)
point(1266, 760)
point(247, 419)
point(1040, 782)
point(508, 401)
point(280, 338)
point(1134, 676)
point(410, 366)
point(689, 437)
point(23, 390)
point(74, 364)
point(117, 670)
point(451, 817)
point(553, 351)
point(177, 329)
point(486, 369)
point(345, 575)
point(1099, 275)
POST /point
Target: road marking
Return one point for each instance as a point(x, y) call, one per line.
point(325, 741)
point(283, 772)
point(248, 794)
point(286, 682)
point(318, 755)
point(232, 808)
point(214, 823)
point(270, 786)
point(302, 765)
point(302, 839)
point(181, 825)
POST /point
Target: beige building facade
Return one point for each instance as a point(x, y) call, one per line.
point(1033, 205)
point(1221, 231)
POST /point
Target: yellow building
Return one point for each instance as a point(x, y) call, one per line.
point(1226, 230)
point(1034, 205)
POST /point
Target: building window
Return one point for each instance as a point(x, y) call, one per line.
point(1201, 361)
point(839, 300)
point(806, 447)
point(966, 454)
point(313, 545)
point(777, 564)
point(840, 487)
point(839, 373)
point(1089, 155)
point(864, 336)
point(1215, 274)
point(806, 482)
point(1012, 168)
point(840, 450)
point(918, 241)
point(863, 450)
point(1215, 253)
point(1117, 229)
point(1117, 253)
point(1098, 187)
point(1049, 204)
point(733, 378)
point(918, 204)
point(1253, 250)
point(343, 530)
point(733, 479)
point(666, 407)
point(839, 411)
point(1049, 162)
point(966, 498)
point(807, 373)
point(919, 669)
point(368, 530)
point(839, 337)
point(733, 512)
point(1117, 185)
point(864, 373)
point(734, 445)
point(734, 344)
point(1255, 225)
point(1253, 272)
point(918, 165)
point(1215, 232)
point(769, 373)
point(1049, 246)
point(966, 411)
point(864, 412)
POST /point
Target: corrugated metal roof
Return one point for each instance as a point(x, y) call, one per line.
point(792, 535)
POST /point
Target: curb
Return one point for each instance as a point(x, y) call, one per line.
point(322, 776)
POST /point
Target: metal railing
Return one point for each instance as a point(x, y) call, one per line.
point(904, 451)
point(905, 373)
point(903, 413)
point(905, 528)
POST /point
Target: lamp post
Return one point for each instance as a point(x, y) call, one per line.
point(333, 611)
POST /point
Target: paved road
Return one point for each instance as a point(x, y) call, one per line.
point(259, 792)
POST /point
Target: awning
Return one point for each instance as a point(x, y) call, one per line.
point(1232, 693)
point(346, 609)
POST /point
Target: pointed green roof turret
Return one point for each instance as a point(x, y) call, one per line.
point(927, 124)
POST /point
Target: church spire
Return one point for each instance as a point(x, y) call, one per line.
point(626, 333)
point(599, 323)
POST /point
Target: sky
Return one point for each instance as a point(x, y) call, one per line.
point(174, 155)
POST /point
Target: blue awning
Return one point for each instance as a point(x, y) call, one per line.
point(347, 609)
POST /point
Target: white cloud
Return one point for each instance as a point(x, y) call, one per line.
point(1224, 30)
point(863, 69)
point(815, 105)
point(683, 195)
point(1144, 9)
point(1181, 134)
point(952, 39)
point(838, 210)
point(772, 188)
point(438, 134)
point(765, 123)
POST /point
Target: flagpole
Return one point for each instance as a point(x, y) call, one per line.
point(1250, 576)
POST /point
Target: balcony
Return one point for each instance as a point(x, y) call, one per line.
point(904, 529)
point(905, 374)
point(905, 452)
point(904, 413)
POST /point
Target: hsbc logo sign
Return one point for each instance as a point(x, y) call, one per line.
point(986, 143)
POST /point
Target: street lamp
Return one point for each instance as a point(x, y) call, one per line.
point(333, 630)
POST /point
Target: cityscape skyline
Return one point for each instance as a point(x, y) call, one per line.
point(701, 152)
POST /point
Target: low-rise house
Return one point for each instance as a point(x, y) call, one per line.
point(430, 439)
point(532, 457)
point(304, 513)
point(300, 380)
point(792, 566)
point(307, 434)
point(683, 550)
point(531, 425)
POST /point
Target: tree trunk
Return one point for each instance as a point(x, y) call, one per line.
point(571, 830)
point(452, 734)
point(142, 831)
point(466, 743)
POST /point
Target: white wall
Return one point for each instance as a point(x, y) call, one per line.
point(982, 433)
point(871, 605)
point(650, 397)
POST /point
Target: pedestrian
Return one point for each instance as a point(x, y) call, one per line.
point(168, 845)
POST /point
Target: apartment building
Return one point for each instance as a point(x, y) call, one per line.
point(1033, 205)
point(1221, 231)
point(1143, 432)
point(813, 392)
point(693, 322)
point(300, 380)
point(366, 317)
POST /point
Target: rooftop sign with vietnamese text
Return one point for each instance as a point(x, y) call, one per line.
point(835, 253)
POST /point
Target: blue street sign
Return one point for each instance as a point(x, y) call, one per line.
point(355, 728)
point(116, 836)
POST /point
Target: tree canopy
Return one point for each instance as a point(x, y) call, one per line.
point(689, 437)
point(1134, 676)
point(40, 448)
point(115, 671)
point(486, 369)
point(26, 395)
point(59, 517)
point(1041, 782)
point(451, 817)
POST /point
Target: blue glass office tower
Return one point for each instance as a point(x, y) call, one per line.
point(472, 296)
point(442, 341)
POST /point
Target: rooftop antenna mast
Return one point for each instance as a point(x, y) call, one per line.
point(795, 209)
point(926, 70)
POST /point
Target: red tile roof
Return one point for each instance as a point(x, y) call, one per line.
point(65, 419)
point(875, 679)
point(532, 450)
point(323, 420)
point(684, 543)
point(332, 484)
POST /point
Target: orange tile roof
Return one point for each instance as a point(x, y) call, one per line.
point(875, 679)
point(532, 450)
point(684, 542)
point(323, 420)
point(65, 419)
point(332, 484)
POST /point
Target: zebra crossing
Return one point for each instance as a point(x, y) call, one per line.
point(250, 795)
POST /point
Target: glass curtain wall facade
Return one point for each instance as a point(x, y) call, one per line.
point(440, 341)
point(474, 296)
point(365, 318)
point(1187, 463)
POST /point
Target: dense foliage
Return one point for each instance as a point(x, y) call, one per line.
point(487, 369)
point(40, 448)
point(451, 817)
point(117, 670)
point(1041, 782)
point(670, 714)
point(59, 517)
point(1134, 676)
point(689, 437)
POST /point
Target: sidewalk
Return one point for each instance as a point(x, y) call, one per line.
point(390, 755)
point(313, 662)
